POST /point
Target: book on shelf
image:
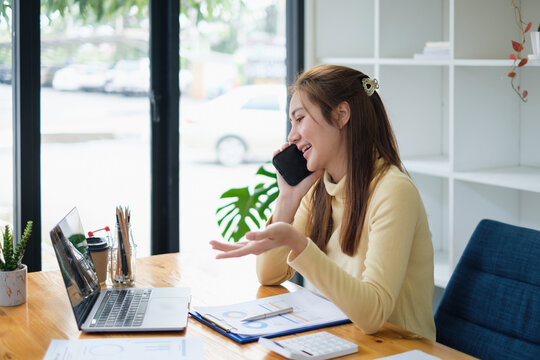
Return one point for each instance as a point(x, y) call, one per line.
point(434, 50)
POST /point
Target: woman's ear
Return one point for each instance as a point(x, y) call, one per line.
point(343, 111)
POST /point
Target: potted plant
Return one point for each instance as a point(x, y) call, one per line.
point(535, 42)
point(12, 271)
point(518, 46)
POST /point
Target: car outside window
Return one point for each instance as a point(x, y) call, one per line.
point(262, 103)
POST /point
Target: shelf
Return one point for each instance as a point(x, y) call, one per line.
point(483, 62)
point(437, 165)
point(491, 62)
point(441, 269)
point(414, 62)
point(517, 177)
point(348, 61)
point(466, 139)
point(385, 61)
point(424, 62)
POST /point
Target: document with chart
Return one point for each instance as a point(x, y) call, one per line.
point(309, 311)
point(163, 348)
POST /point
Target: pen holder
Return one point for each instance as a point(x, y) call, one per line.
point(122, 258)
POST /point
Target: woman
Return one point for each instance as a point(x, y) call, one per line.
point(356, 228)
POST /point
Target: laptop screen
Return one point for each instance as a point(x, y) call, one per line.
point(75, 264)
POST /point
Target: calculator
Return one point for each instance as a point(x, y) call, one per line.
point(317, 346)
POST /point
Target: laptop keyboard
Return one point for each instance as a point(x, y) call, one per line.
point(122, 308)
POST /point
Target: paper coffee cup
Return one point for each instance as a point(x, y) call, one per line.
point(99, 252)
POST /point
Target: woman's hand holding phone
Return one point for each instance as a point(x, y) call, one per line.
point(292, 166)
point(291, 195)
point(292, 169)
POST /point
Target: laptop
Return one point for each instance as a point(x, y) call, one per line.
point(116, 309)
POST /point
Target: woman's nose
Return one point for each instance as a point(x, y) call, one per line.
point(293, 136)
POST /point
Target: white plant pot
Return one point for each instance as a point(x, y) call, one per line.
point(13, 286)
point(535, 42)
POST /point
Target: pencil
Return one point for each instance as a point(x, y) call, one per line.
point(118, 246)
point(123, 236)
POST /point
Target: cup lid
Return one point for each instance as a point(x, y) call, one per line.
point(97, 244)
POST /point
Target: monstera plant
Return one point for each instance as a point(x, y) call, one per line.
point(247, 208)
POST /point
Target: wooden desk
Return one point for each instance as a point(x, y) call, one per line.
point(26, 330)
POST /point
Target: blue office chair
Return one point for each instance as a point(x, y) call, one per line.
point(491, 306)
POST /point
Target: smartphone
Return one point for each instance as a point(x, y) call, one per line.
point(291, 165)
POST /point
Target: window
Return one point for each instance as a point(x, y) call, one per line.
point(232, 106)
point(71, 147)
point(6, 126)
point(95, 120)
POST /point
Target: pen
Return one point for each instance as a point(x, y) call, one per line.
point(269, 314)
point(217, 322)
point(122, 250)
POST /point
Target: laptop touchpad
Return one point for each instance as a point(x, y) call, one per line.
point(169, 310)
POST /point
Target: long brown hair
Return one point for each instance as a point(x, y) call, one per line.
point(368, 135)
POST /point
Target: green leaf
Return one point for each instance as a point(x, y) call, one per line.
point(227, 227)
point(233, 209)
point(265, 206)
point(255, 219)
point(235, 193)
point(4, 6)
point(21, 247)
point(263, 171)
point(249, 208)
point(7, 250)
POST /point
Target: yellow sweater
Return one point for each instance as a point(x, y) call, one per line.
point(390, 278)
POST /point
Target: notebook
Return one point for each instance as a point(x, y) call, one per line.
point(113, 309)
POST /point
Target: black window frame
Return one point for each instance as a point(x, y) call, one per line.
point(295, 61)
point(164, 102)
point(26, 87)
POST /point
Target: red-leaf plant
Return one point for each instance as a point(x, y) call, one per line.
point(518, 48)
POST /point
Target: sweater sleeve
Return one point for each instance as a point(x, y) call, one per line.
point(271, 266)
point(369, 300)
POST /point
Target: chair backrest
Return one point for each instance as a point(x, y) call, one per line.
point(491, 306)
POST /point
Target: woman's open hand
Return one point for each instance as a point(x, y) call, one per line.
point(257, 242)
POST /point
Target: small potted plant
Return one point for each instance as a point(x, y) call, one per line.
point(12, 271)
point(535, 42)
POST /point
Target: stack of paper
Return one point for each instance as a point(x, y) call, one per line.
point(435, 50)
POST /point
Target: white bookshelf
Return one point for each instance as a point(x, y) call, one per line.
point(471, 146)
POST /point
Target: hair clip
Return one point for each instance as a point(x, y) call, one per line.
point(370, 85)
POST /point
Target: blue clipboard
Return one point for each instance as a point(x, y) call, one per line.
point(249, 338)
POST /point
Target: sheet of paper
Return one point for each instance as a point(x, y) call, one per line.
point(411, 355)
point(163, 348)
point(309, 310)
